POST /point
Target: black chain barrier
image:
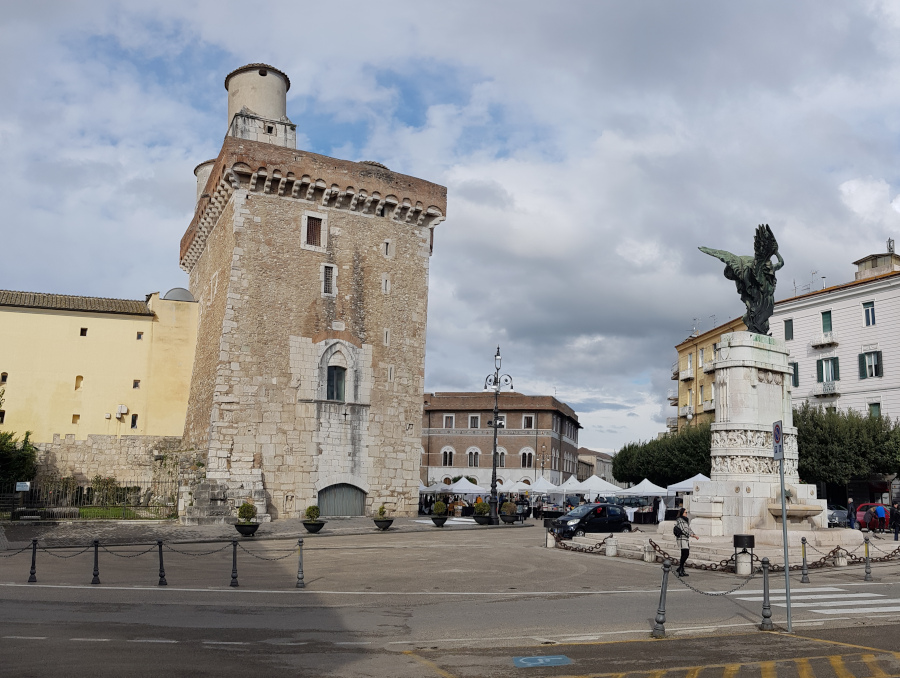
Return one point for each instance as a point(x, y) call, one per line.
point(575, 547)
point(96, 547)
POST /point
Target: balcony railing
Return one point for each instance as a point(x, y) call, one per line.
point(672, 396)
point(675, 371)
point(825, 339)
point(685, 411)
point(708, 406)
point(686, 375)
point(827, 388)
point(709, 366)
point(672, 423)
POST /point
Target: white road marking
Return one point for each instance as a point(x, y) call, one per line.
point(804, 589)
point(25, 637)
point(856, 610)
point(91, 640)
point(355, 642)
point(224, 642)
point(822, 596)
point(838, 603)
point(151, 640)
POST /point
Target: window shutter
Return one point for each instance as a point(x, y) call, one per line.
point(819, 371)
point(795, 378)
point(837, 372)
point(878, 371)
point(863, 373)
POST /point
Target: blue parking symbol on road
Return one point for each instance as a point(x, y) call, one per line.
point(547, 660)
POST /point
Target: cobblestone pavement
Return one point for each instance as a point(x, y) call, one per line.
point(79, 533)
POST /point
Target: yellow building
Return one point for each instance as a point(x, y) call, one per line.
point(79, 366)
point(695, 395)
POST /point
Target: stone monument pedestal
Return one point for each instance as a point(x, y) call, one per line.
point(752, 391)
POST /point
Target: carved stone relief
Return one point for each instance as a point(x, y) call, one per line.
point(768, 377)
point(752, 465)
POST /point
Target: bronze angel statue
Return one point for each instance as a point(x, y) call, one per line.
point(754, 277)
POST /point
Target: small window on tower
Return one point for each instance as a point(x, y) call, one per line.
point(2, 416)
point(84, 331)
point(136, 383)
point(270, 129)
point(140, 336)
point(328, 280)
point(133, 421)
point(3, 377)
point(76, 418)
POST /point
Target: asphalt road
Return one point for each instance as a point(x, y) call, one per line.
point(436, 603)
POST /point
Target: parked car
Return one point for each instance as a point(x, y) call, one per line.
point(837, 515)
point(861, 515)
point(590, 518)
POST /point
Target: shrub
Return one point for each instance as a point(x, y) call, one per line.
point(439, 508)
point(508, 508)
point(382, 512)
point(247, 512)
point(312, 512)
point(482, 508)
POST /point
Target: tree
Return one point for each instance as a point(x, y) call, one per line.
point(665, 460)
point(18, 458)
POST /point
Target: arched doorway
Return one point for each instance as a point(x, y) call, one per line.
point(342, 500)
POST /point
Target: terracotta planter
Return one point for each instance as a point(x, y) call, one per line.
point(247, 529)
point(509, 520)
point(482, 520)
point(439, 520)
point(313, 526)
point(383, 523)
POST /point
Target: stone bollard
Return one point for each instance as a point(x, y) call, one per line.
point(840, 559)
point(743, 565)
point(551, 540)
point(612, 546)
point(649, 554)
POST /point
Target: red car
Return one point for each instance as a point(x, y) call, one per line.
point(861, 516)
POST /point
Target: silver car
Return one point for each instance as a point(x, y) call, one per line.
point(837, 516)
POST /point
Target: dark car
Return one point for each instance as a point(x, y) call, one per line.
point(837, 516)
point(590, 518)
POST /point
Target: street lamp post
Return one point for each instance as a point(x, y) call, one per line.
point(493, 383)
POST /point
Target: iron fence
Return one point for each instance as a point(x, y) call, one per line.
point(95, 499)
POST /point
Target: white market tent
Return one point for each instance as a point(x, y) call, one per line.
point(542, 486)
point(571, 485)
point(688, 485)
point(643, 489)
point(437, 487)
point(595, 485)
point(519, 487)
point(465, 486)
point(422, 487)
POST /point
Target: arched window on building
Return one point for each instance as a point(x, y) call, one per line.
point(473, 453)
point(501, 462)
point(447, 456)
point(527, 459)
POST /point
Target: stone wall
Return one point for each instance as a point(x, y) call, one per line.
point(126, 458)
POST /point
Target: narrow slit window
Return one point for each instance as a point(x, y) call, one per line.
point(134, 421)
point(76, 418)
point(79, 380)
point(313, 231)
point(84, 331)
point(328, 280)
point(136, 383)
point(336, 380)
point(2, 416)
point(3, 377)
point(387, 336)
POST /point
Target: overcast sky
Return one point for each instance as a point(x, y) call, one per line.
point(588, 149)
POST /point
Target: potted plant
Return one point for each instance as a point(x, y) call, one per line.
point(482, 513)
point(312, 522)
point(245, 524)
point(439, 513)
point(382, 522)
point(508, 513)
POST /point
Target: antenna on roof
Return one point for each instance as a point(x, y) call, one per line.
point(713, 316)
point(890, 244)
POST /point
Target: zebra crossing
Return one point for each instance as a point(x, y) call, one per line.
point(826, 600)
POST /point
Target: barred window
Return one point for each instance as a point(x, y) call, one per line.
point(313, 231)
point(328, 280)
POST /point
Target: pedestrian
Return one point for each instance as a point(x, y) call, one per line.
point(656, 502)
point(683, 534)
point(880, 515)
point(869, 519)
point(895, 520)
point(538, 506)
point(851, 513)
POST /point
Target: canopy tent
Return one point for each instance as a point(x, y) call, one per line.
point(542, 486)
point(688, 485)
point(595, 485)
point(519, 487)
point(437, 487)
point(643, 489)
point(571, 485)
point(466, 486)
point(422, 488)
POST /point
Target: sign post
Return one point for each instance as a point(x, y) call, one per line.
point(778, 448)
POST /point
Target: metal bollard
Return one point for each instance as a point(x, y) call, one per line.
point(300, 582)
point(96, 579)
point(162, 570)
point(659, 629)
point(32, 577)
point(868, 576)
point(766, 624)
point(804, 579)
point(234, 581)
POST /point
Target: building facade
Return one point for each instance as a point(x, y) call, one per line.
point(695, 393)
point(539, 438)
point(311, 275)
point(600, 464)
point(73, 366)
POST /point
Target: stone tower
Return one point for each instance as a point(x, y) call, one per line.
point(311, 275)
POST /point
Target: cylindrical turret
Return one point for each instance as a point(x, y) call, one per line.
point(202, 172)
point(259, 87)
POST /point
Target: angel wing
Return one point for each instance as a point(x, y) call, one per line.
point(732, 260)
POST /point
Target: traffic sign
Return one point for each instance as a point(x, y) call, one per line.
point(777, 440)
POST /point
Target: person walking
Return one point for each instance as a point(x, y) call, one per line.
point(683, 534)
point(879, 516)
point(895, 520)
point(851, 513)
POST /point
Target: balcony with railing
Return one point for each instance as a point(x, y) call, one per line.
point(824, 339)
point(675, 371)
point(827, 388)
point(708, 406)
point(672, 423)
point(686, 375)
point(685, 411)
point(672, 396)
point(709, 366)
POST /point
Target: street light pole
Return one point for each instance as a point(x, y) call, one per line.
point(494, 382)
